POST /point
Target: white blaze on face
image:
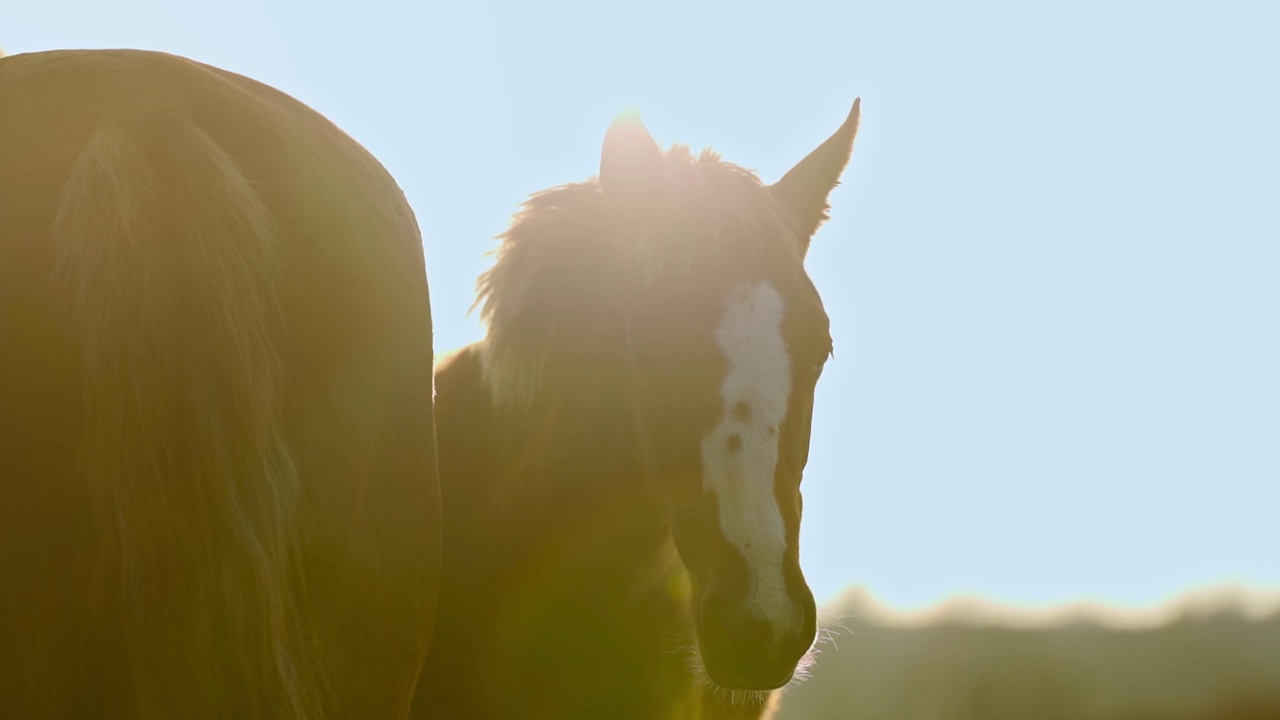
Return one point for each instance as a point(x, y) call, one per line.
point(740, 454)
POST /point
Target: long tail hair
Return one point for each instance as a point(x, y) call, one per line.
point(172, 269)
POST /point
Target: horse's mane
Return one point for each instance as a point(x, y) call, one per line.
point(573, 262)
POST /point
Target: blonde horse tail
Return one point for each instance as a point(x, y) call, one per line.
point(172, 269)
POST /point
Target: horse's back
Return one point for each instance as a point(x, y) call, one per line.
point(216, 437)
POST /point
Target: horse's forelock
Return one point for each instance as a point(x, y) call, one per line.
point(570, 241)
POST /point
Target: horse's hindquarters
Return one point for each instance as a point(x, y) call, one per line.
point(217, 454)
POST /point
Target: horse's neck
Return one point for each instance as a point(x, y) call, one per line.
point(555, 551)
point(564, 477)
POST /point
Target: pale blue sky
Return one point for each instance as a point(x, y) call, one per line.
point(1051, 272)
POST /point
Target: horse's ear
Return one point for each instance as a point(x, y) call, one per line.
point(631, 162)
point(805, 187)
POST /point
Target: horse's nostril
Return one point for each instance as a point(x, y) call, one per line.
point(742, 649)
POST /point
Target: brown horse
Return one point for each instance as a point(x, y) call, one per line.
point(621, 456)
point(217, 459)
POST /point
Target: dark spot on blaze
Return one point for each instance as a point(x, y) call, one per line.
point(734, 444)
point(742, 411)
point(773, 429)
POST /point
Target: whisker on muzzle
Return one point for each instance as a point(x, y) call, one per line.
point(829, 628)
point(694, 665)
